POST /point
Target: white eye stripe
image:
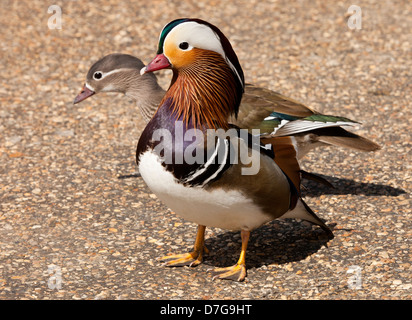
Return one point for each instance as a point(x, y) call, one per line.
point(105, 74)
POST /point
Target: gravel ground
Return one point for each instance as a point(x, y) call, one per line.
point(72, 208)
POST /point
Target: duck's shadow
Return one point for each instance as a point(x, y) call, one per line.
point(348, 186)
point(278, 242)
point(128, 176)
point(283, 241)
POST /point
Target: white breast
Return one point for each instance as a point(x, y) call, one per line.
point(217, 208)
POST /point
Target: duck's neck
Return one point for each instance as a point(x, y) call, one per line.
point(206, 93)
point(147, 93)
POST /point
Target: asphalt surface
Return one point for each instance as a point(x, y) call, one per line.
point(76, 221)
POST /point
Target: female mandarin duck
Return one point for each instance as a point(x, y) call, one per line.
point(218, 191)
point(274, 114)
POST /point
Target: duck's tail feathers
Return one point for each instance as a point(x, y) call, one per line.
point(338, 136)
point(302, 211)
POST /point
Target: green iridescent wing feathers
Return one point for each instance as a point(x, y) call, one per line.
point(270, 111)
point(276, 115)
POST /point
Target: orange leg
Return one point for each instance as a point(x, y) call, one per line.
point(238, 271)
point(191, 259)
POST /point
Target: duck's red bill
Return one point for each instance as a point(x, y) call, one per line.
point(158, 63)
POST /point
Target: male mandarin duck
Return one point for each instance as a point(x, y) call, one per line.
point(271, 112)
point(222, 190)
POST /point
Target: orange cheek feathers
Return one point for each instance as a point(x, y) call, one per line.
point(179, 58)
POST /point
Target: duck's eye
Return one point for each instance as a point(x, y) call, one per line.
point(97, 75)
point(183, 45)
